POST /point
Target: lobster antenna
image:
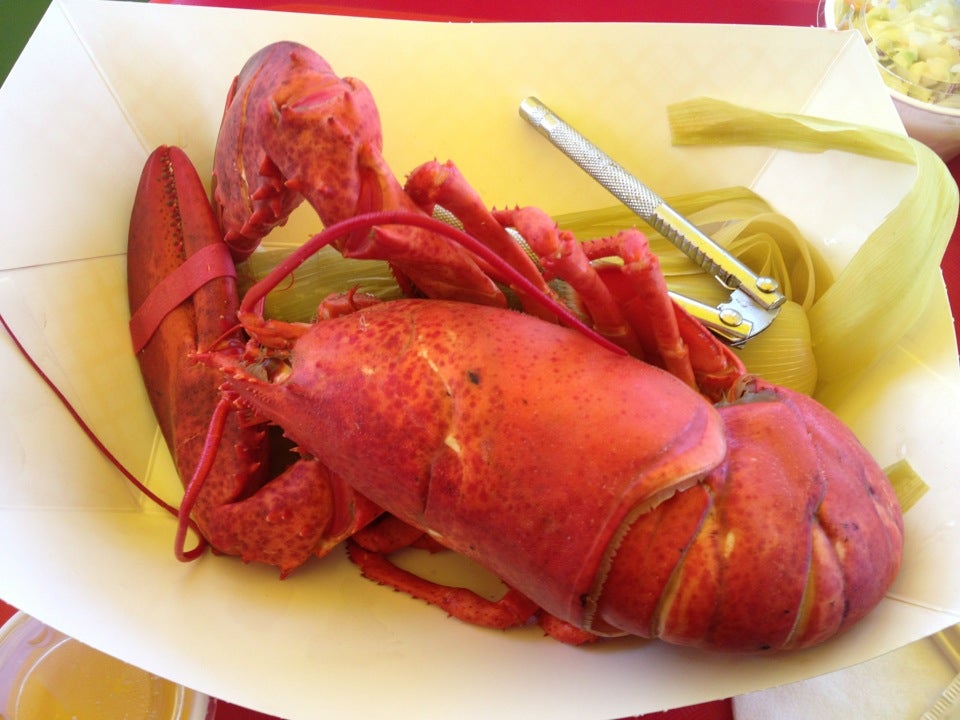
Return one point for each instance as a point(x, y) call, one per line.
point(209, 453)
point(98, 443)
point(405, 217)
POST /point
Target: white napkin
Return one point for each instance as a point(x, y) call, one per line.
point(900, 685)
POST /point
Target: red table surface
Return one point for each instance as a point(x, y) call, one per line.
point(770, 12)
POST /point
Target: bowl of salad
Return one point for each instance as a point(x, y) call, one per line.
point(916, 44)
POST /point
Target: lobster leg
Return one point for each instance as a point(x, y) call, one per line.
point(654, 306)
point(686, 348)
point(434, 184)
point(562, 257)
point(513, 609)
point(715, 368)
point(389, 533)
point(628, 302)
point(369, 549)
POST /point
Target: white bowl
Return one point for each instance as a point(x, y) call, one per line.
point(937, 128)
point(931, 116)
point(45, 675)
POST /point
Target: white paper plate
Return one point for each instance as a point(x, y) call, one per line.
point(102, 83)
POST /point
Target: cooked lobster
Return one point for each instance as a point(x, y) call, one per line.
point(623, 475)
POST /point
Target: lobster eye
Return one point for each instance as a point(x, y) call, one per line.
point(270, 369)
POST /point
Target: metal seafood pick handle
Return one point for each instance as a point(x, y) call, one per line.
point(754, 300)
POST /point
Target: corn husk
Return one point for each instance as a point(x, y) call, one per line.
point(325, 273)
point(907, 484)
point(784, 355)
point(887, 283)
point(739, 221)
point(707, 121)
point(743, 223)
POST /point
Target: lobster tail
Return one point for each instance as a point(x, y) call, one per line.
point(793, 538)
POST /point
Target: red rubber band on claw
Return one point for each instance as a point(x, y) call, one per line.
point(208, 263)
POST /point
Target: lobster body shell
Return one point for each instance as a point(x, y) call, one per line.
point(475, 432)
point(601, 487)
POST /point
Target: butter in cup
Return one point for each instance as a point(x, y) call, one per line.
point(916, 45)
point(46, 675)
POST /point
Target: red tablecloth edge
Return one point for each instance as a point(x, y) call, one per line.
point(950, 265)
point(742, 12)
point(716, 710)
point(6, 612)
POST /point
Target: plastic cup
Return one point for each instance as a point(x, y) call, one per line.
point(46, 675)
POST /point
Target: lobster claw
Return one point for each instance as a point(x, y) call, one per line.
point(183, 301)
point(250, 195)
point(171, 222)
